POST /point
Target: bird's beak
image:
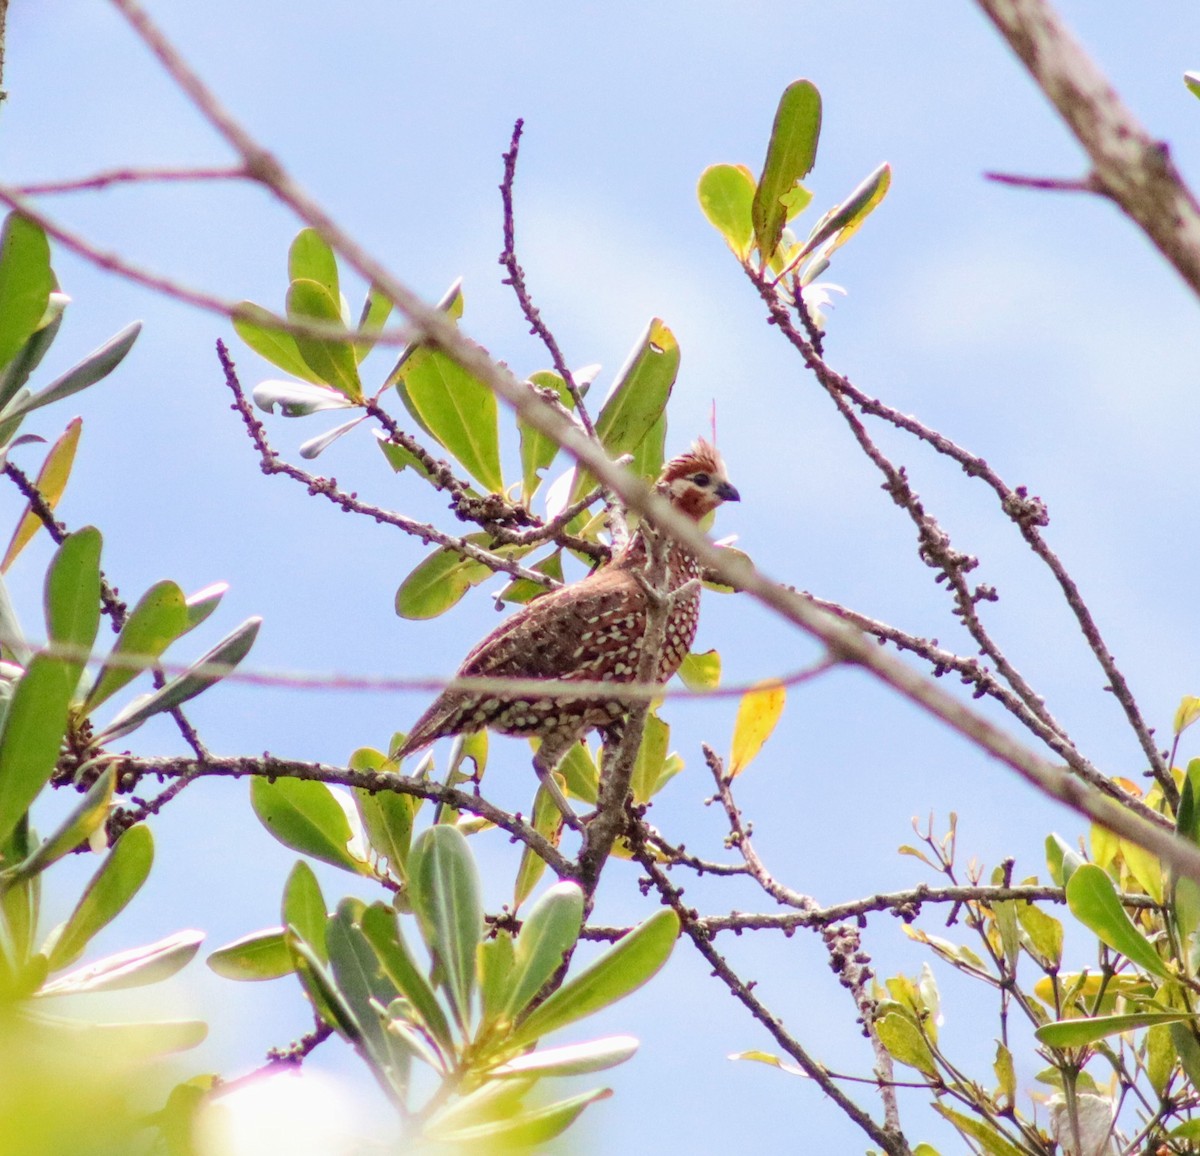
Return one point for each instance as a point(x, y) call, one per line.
point(727, 493)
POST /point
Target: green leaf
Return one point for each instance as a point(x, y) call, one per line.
point(1093, 900)
point(459, 411)
point(650, 453)
point(1061, 859)
point(130, 1039)
point(18, 371)
point(26, 283)
point(537, 450)
point(444, 886)
point(637, 400)
point(375, 312)
point(791, 154)
point(95, 367)
point(905, 1043)
point(846, 219)
point(367, 990)
point(496, 965)
point(201, 604)
point(1187, 820)
point(32, 735)
point(580, 773)
point(726, 194)
point(210, 669)
point(51, 482)
point(311, 259)
point(440, 581)
point(550, 930)
point(118, 880)
point(1077, 1033)
point(651, 758)
point(452, 304)
point(701, 671)
point(332, 360)
point(525, 590)
point(304, 911)
point(305, 816)
point(85, 818)
point(1160, 1057)
point(547, 821)
point(257, 956)
point(1044, 931)
point(382, 930)
point(1192, 80)
point(623, 968)
point(159, 618)
point(72, 597)
point(387, 817)
point(258, 328)
point(572, 1059)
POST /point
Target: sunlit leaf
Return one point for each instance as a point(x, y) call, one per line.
point(986, 1135)
point(547, 821)
point(332, 360)
point(549, 932)
point(651, 758)
point(158, 619)
point(791, 154)
point(1192, 80)
point(25, 283)
point(1093, 900)
point(257, 956)
point(303, 910)
point(51, 482)
point(310, 258)
point(440, 581)
point(844, 220)
point(305, 816)
point(701, 671)
point(758, 713)
point(258, 328)
point(459, 411)
point(580, 773)
point(905, 1043)
point(81, 822)
point(375, 312)
point(519, 1131)
point(726, 194)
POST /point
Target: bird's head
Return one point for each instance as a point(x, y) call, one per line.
point(696, 482)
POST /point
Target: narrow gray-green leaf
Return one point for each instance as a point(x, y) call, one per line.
point(118, 880)
point(134, 968)
point(572, 1059)
point(380, 926)
point(81, 822)
point(201, 604)
point(444, 887)
point(316, 446)
point(210, 669)
point(623, 968)
point(95, 367)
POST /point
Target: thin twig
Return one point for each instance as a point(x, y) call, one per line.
point(110, 177)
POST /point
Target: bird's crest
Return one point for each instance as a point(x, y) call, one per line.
point(701, 457)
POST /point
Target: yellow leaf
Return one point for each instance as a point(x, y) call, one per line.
point(51, 482)
point(757, 715)
point(1188, 712)
point(1145, 868)
point(1105, 846)
point(701, 671)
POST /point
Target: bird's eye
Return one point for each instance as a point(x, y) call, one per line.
point(701, 479)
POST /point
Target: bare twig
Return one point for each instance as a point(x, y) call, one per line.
point(1047, 184)
point(124, 176)
point(1129, 166)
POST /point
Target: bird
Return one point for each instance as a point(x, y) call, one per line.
point(590, 630)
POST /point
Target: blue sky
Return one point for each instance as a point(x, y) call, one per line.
point(1039, 330)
